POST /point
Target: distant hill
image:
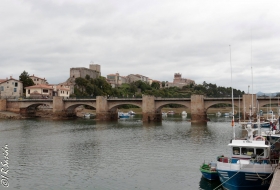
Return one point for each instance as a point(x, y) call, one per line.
point(267, 94)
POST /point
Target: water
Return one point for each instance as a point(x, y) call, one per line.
point(128, 154)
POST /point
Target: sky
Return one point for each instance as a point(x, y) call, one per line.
point(224, 42)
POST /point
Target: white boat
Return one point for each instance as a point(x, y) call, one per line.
point(131, 112)
point(164, 114)
point(88, 115)
point(218, 114)
point(250, 165)
point(184, 114)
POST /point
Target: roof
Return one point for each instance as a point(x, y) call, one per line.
point(39, 86)
point(37, 77)
point(5, 80)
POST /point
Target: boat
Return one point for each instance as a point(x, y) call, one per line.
point(250, 165)
point(218, 114)
point(184, 114)
point(263, 125)
point(226, 114)
point(123, 115)
point(131, 112)
point(164, 114)
point(170, 112)
point(88, 115)
point(209, 171)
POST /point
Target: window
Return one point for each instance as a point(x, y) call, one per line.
point(16, 84)
point(28, 92)
point(1, 88)
point(15, 89)
point(45, 91)
point(247, 151)
point(260, 152)
point(236, 151)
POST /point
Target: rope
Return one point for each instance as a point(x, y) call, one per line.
point(226, 180)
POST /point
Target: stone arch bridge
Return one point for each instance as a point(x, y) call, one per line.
point(106, 109)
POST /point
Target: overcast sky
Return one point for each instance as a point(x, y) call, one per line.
point(154, 38)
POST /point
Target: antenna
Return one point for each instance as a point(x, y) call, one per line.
point(232, 122)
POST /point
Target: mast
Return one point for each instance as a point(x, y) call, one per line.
point(232, 122)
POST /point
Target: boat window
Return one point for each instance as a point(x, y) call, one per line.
point(247, 151)
point(236, 151)
point(260, 152)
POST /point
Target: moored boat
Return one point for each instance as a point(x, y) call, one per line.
point(209, 171)
point(123, 115)
point(184, 114)
point(250, 165)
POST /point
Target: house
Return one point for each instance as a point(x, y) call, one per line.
point(39, 91)
point(116, 80)
point(38, 80)
point(10, 88)
point(62, 90)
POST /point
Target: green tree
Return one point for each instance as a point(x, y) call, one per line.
point(26, 80)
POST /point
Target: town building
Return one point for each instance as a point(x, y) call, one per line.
point(178, 81)
point(94, 71)
point(39, 91)
point(116, 80)
point(38, 80)
point(10, 88)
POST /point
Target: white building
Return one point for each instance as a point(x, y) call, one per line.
point(10, 88)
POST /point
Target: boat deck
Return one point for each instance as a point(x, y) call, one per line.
point(275, 183)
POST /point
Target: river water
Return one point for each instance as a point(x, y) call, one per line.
point(122, 155)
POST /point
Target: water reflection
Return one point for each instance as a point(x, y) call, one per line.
point(124, 154)
point(205, 184)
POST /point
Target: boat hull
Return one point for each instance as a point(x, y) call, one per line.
point(239, 180)
point(210, 175)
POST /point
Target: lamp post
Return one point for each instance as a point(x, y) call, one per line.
point(248, 88)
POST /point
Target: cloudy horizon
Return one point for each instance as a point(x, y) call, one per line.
point(203, 40)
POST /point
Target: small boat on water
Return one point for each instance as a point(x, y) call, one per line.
point(131, 112)
point(184, 114)
point(123, 115)
point(218, 114)
point(88, 115)
point(164, 114)
point(170, 112)
point(209, 171)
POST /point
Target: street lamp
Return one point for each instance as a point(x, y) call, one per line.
point(248, 88)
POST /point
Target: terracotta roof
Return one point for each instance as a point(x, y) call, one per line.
point(40, 86)
point(37, 77)
point(62, 88)
point(4, 80)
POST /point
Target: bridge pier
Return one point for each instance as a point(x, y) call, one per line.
point(3, 105)
point(198, 112)
point(149, 109)
point(102, 110)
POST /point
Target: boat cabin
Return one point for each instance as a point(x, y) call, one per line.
point(244, 149)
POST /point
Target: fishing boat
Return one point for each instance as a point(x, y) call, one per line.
point(250, 165)
point(209, 171)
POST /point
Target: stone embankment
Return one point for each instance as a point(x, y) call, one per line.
point(9, 115)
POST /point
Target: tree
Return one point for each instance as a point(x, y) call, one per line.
point(26, 80)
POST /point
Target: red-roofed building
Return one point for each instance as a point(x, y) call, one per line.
point(39, 91)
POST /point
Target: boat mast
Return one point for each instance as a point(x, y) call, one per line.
point(232, 122)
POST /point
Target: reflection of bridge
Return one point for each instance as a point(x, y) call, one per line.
point(106, 109)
